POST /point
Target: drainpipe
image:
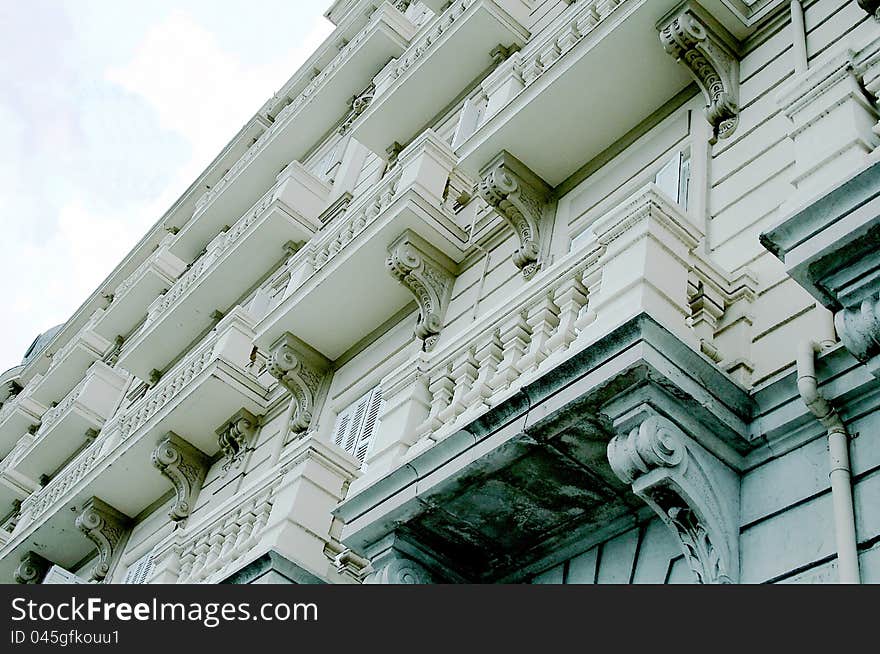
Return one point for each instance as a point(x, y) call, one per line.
point(798, 37)
point(838, 450)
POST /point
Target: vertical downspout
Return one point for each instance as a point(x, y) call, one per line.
point(838, 451)
point(798, 37)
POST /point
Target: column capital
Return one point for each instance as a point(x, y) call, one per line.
point(688, 488)
point(701, 45)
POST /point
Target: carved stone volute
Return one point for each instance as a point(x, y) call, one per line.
point(693, 493)
point(299, 369)
point(31, 569)
point(859, 330)
point(425, 272)
point(711, 62)
point(106, 528)
point(519, 196)
point(185, 466)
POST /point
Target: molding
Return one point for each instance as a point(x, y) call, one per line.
point(105, 527)
point(185, 466)
point(31, 569)
point(300, 370)
point(415, 264)
point(234, 436)
point(519, 196)
point(695, 43)
point(684, 486)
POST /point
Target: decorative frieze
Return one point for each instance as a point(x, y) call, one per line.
point(185, 466)
point(235, 435)
point(692, 41)
point(688, 488)
point(300, 370)
point(31, 569)
point(423, 271)
point(519, 196)
point(106, 528)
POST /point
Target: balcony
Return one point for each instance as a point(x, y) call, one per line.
point(296, 128)
point(233, 262)
point(340, 278)
point(451, 52)
point(70, 363)
point(65, 427)
point(155, 275)
point(600, 71)
point(193, 398)
point(17, 415)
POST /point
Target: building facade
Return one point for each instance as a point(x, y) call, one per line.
point(529, 291)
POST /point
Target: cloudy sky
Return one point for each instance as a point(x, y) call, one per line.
point(109, 109)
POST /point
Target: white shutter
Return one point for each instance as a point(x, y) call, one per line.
point(371, 423)
point(356, 424)
point(140, 571)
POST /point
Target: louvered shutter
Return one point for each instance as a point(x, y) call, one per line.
point(139, 572)
point(371, 423)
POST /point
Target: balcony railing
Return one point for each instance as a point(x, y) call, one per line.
point(346, 262)
point(315, 110)
point(192, 399)
point(448, 54)
point(155, 273)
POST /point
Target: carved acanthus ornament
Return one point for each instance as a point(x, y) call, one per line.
point(234, 436)
point(421, 269)
point(185, 466)
point(859, 330)
point(31, 569)
point(105, 527)
point(686, 487)
point(519, 196)
point(358, 105)
point(711, 63)
point(300, 370)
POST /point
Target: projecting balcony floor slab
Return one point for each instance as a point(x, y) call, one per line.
point(297, 128)
point(15, 423)
point(53, 447)
point(66, 373)
point(610, 81)
point(353, 293)
point(215, 288)
point(435, 69)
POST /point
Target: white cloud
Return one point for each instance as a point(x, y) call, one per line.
point(63, 231)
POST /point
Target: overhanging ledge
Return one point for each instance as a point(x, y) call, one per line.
point(531, 476)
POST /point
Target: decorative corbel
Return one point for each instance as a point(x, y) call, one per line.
point(185, 466)
point(694, 494)
point(695, 43)
point(235, 434)
point(426, 273)
point(300, 370)
point(393, 567)
point(859, 330)
point(519, 196)
point(105, 527)
point(31, 569)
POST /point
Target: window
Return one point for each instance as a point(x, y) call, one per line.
point(58, 575)
point(141, 570)
point(675, 177)
point(357, 424)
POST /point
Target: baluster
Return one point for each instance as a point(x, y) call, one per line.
point(591, 281)
point(489, 353)
point(515, 338)
point(543, 319)
point(186, 565)
point(570, 296)
point(464, 373)
point(440, 388)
